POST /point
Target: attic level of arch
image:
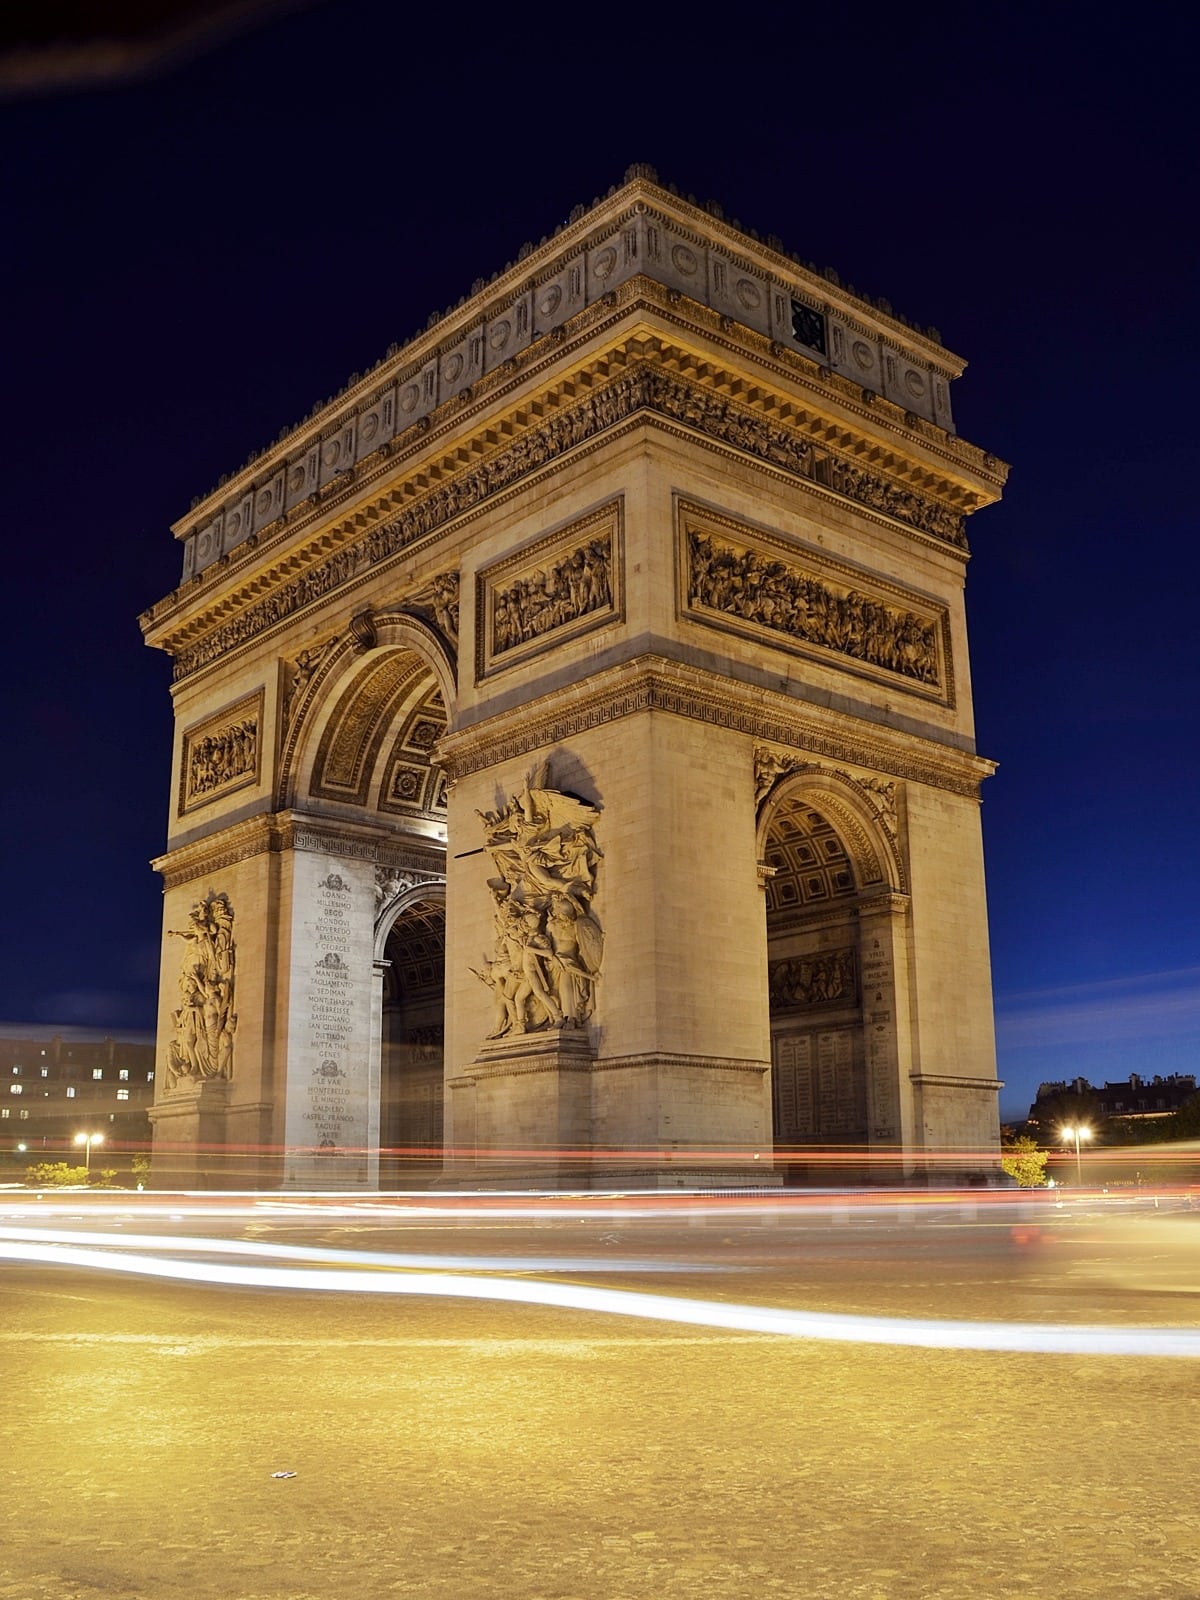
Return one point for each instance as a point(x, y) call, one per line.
point(643, 377)
point(640, 233)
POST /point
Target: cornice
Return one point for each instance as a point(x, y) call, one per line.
point(646, 376)
point(641, 194)
point(292, 830)
point(945, 1080)
point(653, 683)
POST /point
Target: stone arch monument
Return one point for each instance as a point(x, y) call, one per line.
point(574, 752)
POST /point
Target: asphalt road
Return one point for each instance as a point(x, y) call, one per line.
point(447, 1449)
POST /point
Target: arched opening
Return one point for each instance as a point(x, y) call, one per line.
point(361, 773)
point(818, 1046)
point(413, 1032)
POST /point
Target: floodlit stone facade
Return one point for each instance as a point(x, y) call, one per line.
point(574, 775)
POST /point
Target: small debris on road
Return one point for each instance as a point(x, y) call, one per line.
point(283, 1474)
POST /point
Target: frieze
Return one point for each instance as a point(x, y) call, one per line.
point(639, 388)
point(563, 585)
point(221, 754)
point(760, 586)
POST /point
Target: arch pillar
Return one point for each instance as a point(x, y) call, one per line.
point(887, 1024)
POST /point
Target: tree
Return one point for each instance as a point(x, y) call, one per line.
point(1023, 1161)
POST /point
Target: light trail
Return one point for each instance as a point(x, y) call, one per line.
point(368, 1258)
point(1025, 1337)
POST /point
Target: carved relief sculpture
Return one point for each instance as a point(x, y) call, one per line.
point(438, 599)
point(205, 1021)
point(221, 755)
point(566, 583)
point(548, 948)
point(799, 983)
point(780, 596)
point(564, 592)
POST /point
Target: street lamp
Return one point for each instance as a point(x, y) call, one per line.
point(87, 1140)
point(1077, 1131)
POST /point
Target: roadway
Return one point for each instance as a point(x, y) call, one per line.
point(447, 1447)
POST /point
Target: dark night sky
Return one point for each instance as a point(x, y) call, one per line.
point(196, 254)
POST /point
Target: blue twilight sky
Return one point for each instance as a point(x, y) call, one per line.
point(198, 251)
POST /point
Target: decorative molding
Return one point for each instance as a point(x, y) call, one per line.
point(940, 1080)
point(652, 683)
point(282, 831)
point(777, 592)
point(641, 387)
point(221, 754)
point(564, 584)
point(672, 1060)
point(394, 627)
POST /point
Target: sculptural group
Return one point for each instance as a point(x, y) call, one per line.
point(548, 947)
point(205, 1021)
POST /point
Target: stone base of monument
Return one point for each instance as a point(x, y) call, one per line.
point(529, 1100)
point(190, 1137)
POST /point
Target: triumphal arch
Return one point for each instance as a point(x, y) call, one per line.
point(574, 775)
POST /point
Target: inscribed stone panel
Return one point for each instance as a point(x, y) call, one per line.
point(221, 754)
point(819, 1085)
point(563, 585)
point(781, 593)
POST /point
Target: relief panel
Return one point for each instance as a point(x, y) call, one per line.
point(221, 754)
point(563, 585)
point(779, 592)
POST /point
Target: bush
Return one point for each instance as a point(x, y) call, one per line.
point(54, 1175)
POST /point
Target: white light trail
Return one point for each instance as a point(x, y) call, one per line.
point(1039, 1338)
point(177, 1243)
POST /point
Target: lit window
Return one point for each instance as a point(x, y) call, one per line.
point(97, 1072)
point(122, 1094)
point(17, 1088)
point(71, 1092)
point(45, 1072)
point(23, 1115)
point(123, 1074)
point(16, 1072)
point(150, 1077)
point(5, 1113)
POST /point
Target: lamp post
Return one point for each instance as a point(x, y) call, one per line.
point(87, 1140)
point(1077, 1131)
